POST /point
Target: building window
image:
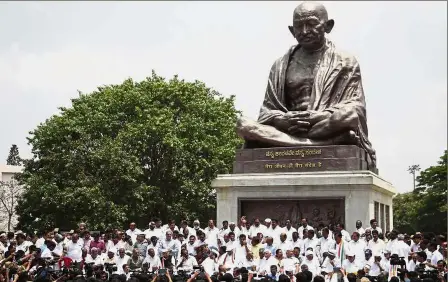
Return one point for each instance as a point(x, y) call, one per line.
point(387, 218)
point(383, 221)
point(376, 214)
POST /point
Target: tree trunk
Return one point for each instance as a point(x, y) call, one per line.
point(9, 221)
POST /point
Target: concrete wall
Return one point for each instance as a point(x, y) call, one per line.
point(359, 189)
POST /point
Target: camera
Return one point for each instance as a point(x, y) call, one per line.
point(198, 267)
point(110, 267)
point(395, 260)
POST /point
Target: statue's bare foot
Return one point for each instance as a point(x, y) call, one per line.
point(347, 138)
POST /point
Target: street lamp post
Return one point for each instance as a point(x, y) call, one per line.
point(412, 170)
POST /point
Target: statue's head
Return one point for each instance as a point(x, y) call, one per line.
point(310, 23)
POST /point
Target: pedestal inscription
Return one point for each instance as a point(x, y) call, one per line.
point(322, 158)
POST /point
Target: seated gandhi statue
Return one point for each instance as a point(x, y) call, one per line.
point(314, 94)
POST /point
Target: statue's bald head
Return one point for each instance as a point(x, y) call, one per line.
point(307, 9)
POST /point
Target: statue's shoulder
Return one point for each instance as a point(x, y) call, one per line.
point(346, 58)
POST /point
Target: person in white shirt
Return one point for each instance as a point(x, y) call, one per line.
point(186, 262)
point(288, 229)
point(311, 242)
point(210, 264)
point(435, 255)
point(257, 228)
point(296, 241)
point(115, 243)
point(110, 257)
point(284, 244)
point(248, 262)
point(227, 260)
point(345, 235)
point(152, 259)
point(265, 263)
point(74, 248)
point(236, 230)
point(359, 228)
point(376, 244)
point(357, 247)
point(349, 265)
point(415, 246)
point(241, 249)
point(326, 243)
point(374, 226)
point(291, 263)
point(400, 247)
point(304, 226)
point(312, 263)
point(153, 231)
point(330, 262)
point(275, 231)
point(211, 233)
point(375, 267)
point(121, 260)
point(224, 230)
point(133, 231)
point(94, 257)
point(411, 264)
point(169, 244)
point(22, 244)
point(197, 227)
point(185, 229)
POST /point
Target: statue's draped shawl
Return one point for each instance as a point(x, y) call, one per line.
point(337, 84)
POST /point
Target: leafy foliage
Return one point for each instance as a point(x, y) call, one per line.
point(14, 157)
point(426, 208)
point(130, 152)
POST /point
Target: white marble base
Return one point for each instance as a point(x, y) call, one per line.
point(359, 189)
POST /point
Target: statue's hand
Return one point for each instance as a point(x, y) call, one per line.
point(313, 117)
point(298, 122)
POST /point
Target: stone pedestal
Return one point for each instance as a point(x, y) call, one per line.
point(323, 194)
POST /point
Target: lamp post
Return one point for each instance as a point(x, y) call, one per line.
point(412, 170)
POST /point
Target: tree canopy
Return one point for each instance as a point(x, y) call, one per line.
point(129, 152)
point(424, 209)
point(14, 157)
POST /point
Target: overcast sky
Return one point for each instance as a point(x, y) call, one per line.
point(49, 50)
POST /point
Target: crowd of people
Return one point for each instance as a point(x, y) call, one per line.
point(242, 251)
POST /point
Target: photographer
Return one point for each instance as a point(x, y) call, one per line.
point(162, 275)
point(200, 275)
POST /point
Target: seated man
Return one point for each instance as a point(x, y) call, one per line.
point(314, 94)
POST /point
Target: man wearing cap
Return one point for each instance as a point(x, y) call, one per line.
point(385, 261)
point(312, 263)
point(197, 227)
point(304, 226)
point(349, 264)
point(357, 247)
point(110, 258)
point(330, 262)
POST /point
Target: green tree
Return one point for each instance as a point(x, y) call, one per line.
point(14, 157)
point(425, 209)
point(130, 152)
